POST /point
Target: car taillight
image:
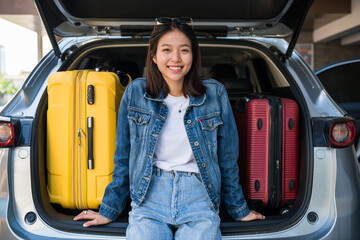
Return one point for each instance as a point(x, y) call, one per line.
point(342, 134)
point(7, 134)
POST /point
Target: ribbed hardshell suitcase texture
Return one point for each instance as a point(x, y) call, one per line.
point(71, 182)
point(291, 143)
point(256, 151)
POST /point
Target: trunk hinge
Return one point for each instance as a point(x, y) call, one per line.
point(278, 53)
point(68, 52)
point(102, 32)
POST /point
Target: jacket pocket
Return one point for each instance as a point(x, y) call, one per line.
point(209, 127)
point(139, 123)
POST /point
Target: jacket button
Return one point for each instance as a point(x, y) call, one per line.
point(139, 119)
point(196, 143)
point(189, 121)
point(209, 186)
point(203, 165)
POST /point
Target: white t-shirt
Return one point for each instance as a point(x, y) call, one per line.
point(173, 150)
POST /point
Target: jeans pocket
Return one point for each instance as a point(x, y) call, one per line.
point(197, 177)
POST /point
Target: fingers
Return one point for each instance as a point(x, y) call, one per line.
point(90, 223)
point(99, 220)
point(258, 215)
point(253, 215)
point(86, 214)
point(94, 217)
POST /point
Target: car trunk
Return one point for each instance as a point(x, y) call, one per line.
point(253, 68)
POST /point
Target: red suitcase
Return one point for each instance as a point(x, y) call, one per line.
point(268, 129)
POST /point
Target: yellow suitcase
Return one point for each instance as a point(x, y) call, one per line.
point(81, 129)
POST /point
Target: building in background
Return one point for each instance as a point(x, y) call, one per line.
point(306, 50)
point(2, 59)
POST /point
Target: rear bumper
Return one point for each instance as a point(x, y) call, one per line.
point(333, 213)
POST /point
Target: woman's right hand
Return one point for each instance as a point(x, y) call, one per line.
point(253, 216)
point(94, 217)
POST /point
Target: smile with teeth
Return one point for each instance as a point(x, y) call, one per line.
point(174, 68)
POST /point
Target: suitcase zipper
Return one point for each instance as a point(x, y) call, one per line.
point(81, 133)
point(78, 151)
point(279, 163)
point(80, 169)
point(73, 160)
point(278, 132)
point(272, 155)
point(275, 156)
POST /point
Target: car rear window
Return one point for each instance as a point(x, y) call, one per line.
point(342, 82)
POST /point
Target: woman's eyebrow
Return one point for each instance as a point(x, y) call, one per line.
point(167, 45)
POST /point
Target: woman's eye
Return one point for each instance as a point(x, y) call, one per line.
point(185, 50)
point(165, 49)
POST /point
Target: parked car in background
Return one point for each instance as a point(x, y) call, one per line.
point(341, 80)
point(241, 45)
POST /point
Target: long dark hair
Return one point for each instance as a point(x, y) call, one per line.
point(155, 82)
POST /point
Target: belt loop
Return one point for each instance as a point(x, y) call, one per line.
point(158, 172)
point(189, 174)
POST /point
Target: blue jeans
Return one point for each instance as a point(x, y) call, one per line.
point(175, 206)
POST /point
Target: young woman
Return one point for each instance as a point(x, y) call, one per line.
point(175, 147)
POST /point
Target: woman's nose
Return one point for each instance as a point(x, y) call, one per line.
point(176, 56)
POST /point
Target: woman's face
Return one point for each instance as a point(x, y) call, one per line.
point(173, 56)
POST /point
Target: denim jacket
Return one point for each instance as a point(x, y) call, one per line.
point(211, 129)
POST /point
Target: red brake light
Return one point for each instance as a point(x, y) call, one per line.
point(342, 134)
point(7, 134)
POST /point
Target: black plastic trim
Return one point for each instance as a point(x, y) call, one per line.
point(22, 128)
point(321, 129)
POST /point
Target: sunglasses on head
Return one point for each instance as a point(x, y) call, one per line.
point(167, 20)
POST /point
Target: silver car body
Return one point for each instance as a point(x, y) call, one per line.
point(328, 202)
point(335, 183)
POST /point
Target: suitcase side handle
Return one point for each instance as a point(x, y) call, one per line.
point(90, 129)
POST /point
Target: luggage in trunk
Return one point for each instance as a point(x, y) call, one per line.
point(81, 128)
point(268, 129)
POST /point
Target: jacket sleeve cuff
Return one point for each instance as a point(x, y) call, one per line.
point(108, 212)
point(240, 213)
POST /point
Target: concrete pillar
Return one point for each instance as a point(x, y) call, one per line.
point(39, 32)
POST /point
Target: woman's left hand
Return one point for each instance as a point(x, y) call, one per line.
point(94, 217)
point(253, 216)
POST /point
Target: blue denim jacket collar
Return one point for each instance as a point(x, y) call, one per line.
point(194, 101)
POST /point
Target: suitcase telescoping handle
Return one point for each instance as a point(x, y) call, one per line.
point(90, 129)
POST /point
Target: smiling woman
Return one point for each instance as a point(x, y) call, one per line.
point(177, 193)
